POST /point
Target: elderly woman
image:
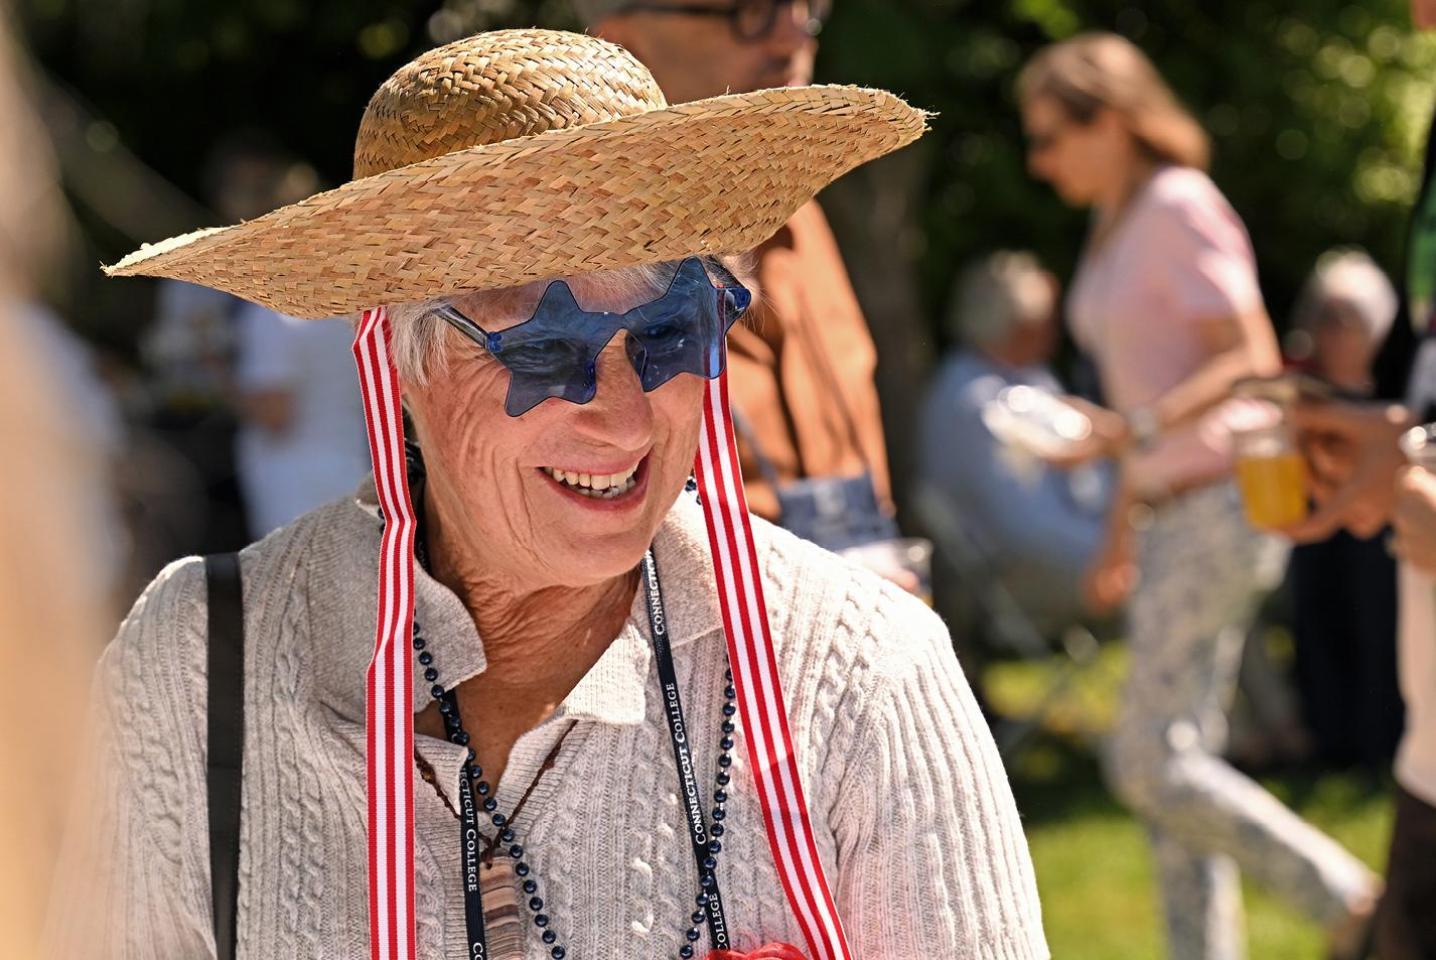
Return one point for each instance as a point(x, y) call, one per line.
point(557, 670)
point(1345, 659)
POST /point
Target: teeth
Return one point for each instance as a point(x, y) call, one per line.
point(598, 485)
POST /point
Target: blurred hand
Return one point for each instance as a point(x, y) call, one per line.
point(272, 410)
point(888, 566)
point(1110, 436)
point(1415, 519)
point(1352, 459)
point(1107, 585)
point(906, 579)
point(1111, 576)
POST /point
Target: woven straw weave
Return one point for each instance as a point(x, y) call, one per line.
point(520, 155)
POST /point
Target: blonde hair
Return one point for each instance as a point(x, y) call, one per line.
point(1093, 72)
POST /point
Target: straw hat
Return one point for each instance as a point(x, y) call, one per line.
point(519, 155)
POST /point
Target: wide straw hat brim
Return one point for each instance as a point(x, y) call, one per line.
point(708, 177)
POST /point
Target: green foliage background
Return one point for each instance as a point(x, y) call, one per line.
point(1317, 108)
point(1317, 111)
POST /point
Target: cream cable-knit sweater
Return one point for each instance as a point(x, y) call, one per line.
point(914, 818)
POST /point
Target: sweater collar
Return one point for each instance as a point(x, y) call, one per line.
point(613, 691)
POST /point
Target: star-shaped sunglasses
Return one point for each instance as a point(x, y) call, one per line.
point(555, 352)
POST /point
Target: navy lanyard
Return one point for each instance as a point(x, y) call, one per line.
point(688, 787)
point(471, 841)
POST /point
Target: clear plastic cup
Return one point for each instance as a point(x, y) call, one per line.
point(1419, 445)
point(1271, 474)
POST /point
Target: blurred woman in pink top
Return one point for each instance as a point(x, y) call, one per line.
point(1166, 302)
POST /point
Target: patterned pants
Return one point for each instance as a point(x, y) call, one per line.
point(1201, 579)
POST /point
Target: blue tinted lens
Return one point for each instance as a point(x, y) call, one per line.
point(555, 352)
point(682, 331)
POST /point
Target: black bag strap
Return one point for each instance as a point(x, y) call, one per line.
point(225, 769)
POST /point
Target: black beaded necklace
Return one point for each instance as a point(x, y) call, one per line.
point(706, 839)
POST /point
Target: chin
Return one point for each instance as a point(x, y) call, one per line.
point(1071, 196)
point(1076, 191)
point(601, 558)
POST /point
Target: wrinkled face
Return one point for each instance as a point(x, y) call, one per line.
point(1342, 346)
point(1078, 159)
point(696, 56)
point(521, 494)
point(1035, 339)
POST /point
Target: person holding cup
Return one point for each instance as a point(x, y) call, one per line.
point(1167, 303)
point(1371, 466)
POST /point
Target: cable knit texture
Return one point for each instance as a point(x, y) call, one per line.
point(914, 818)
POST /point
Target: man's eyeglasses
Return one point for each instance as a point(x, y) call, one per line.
point(555, 352)
point(750, 20)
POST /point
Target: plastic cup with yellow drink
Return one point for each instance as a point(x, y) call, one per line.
point(1271, 475)
point(1270, 469)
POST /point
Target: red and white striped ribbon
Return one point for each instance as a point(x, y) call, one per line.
point(390, 712)
point(755, 675)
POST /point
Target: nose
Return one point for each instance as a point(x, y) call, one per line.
point(790, 28)
point(1037, 163)
point(620, 416)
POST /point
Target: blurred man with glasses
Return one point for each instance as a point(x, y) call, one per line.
point(810, 433)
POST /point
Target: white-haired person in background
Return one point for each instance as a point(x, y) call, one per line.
point(1344, 313)
point(1035, 528)
point(1344, 588)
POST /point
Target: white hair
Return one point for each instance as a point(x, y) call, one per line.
point(997, 293)
point(421, 337)
point(1350, 275)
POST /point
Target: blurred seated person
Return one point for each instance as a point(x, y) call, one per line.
point(1344, 588)
point(298, 437)
point(1342, 317)
point(1036, 528)
point(302, 439)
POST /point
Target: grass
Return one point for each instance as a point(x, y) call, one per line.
point(1093, 869)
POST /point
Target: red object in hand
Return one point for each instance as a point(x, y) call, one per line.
point(770, 951)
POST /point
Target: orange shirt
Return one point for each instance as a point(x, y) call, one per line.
point(800, 367)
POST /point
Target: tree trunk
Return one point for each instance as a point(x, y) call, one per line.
point(875, 216)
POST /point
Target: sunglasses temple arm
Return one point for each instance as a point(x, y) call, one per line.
point(464, 325)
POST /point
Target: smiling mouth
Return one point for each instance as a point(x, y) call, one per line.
point(608, 486)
